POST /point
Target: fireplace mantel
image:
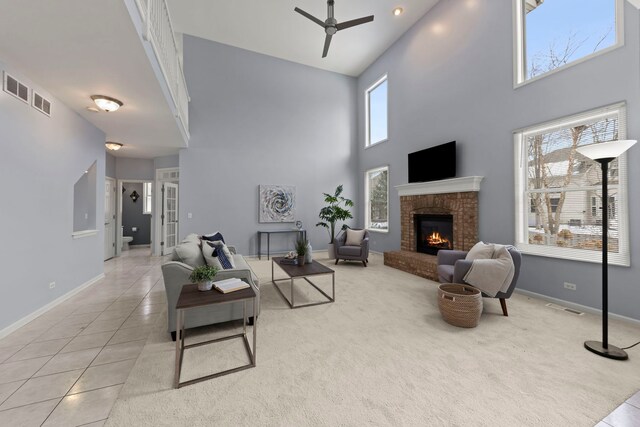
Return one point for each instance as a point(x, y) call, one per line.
point(455, 185)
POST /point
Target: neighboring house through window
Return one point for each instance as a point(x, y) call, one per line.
point(559, 191)
point(377, 199)
point(377, 112)
point(552, 34)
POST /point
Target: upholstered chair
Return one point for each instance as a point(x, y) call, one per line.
point(351, 251)
point(452, 267)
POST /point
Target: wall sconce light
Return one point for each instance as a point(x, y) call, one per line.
point(134, 196)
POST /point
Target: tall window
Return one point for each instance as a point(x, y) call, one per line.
point(552, 34)
point(558, 190)
point(377, 199)
point(377, 100)
point(147, 197)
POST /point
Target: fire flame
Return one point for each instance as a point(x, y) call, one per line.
point(435, 239)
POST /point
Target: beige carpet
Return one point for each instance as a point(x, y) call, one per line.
point(381, 355)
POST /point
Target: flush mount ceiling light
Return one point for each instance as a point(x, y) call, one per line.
point(398, 11)
point(106, 103)
point(113, 146)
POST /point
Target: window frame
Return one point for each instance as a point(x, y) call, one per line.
point(522, 204)
point(368, 143)
point(520, 44)
point(147, 198)
point(367, 207)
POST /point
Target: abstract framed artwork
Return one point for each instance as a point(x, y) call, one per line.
point(277, 203)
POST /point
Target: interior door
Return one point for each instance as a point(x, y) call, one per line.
point(169, 217)
point(109, 218)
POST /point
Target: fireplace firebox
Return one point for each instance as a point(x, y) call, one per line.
point(433, 232)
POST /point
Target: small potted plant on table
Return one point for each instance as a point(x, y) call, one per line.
point(301, 250)
point(203, 277)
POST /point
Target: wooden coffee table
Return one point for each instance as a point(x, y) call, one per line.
point(303, 272)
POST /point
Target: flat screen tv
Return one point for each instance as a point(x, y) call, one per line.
point(433, 164)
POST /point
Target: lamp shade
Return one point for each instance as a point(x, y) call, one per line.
point(606, 150)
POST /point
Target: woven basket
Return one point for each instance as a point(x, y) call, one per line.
point(460, 305)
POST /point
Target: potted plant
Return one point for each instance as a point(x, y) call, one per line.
point(203, 277)
point(332, 213)
point(301, 250)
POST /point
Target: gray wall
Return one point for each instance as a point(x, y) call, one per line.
point(132, 215)
point(456, 83)
point(166, 162)
point(41, 160)
point(110, 165)
point(130, 168)
point(84, 200)
point(254, 120)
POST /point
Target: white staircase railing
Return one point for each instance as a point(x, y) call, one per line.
point(159, 33)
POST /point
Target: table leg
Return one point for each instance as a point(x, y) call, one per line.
point(255, 327)
point(333, 286)
point(179, 346)
point(244, 317)
point(292, 304)
point(259, 246)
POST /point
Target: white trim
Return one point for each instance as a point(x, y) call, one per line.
point(519, 50)
point(156, 249)
point(120, 183)
point(28, 318)
point(366, 199)
point(367, 112)
point(575, 306)
point(454, 185)
point(83, 233)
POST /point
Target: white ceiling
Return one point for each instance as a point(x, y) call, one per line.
point(77, 48)
point(273, 28)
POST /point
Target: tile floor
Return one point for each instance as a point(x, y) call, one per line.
point(66, 367)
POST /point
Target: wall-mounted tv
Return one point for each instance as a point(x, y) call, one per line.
point(433, 164)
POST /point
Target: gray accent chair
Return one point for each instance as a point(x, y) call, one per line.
point(452, 267)
point(352, 253)
point(176, 274)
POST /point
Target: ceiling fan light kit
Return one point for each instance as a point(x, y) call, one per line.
point(331, 25)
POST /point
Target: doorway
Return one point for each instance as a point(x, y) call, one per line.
point(167, 206)
point(135, 214)
point(109, 218)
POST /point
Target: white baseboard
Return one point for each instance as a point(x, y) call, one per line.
point(28, 318)
point(575, 306)
point(140, 246)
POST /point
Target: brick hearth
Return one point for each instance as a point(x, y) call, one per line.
point(463, 206)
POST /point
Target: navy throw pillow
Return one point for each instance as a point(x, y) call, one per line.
point(213, 237)
point(218, 252)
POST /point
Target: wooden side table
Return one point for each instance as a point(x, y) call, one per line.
point(189, 298)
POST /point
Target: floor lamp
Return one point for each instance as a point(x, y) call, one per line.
point(604, 153)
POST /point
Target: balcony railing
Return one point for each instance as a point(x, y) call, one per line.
point(158, 31)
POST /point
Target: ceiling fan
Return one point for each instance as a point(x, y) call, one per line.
point(331, 26)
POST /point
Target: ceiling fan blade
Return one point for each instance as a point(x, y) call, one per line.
point(327, 43)
point(309, 16)
point(353, 23)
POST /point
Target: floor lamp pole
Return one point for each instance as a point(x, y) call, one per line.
point(603, 348)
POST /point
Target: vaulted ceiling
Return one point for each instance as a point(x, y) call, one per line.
point(273, 28)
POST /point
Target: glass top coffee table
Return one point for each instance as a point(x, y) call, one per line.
point(303, 272)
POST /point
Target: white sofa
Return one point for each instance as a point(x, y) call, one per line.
point(186, 257)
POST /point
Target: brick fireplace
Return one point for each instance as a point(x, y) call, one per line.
point(451, 198)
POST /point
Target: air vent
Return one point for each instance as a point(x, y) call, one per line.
point(561, 308)
point(41, 104)
point(13, 87)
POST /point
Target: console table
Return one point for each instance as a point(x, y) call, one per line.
point(301, 232)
